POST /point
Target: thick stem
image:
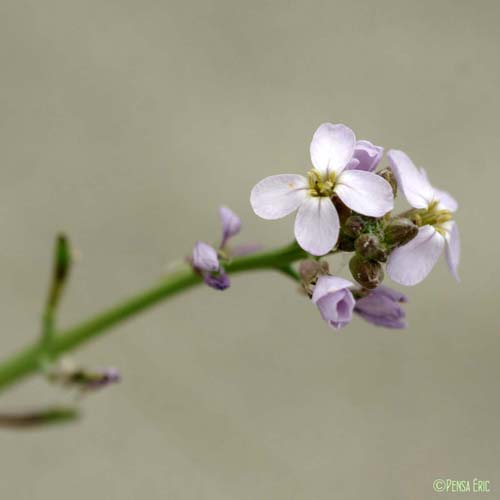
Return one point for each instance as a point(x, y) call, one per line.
point(27, 361)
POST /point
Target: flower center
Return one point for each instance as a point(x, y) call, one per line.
point(432, 216)
point(321, 184)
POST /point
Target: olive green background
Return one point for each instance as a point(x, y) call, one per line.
point(127, 123)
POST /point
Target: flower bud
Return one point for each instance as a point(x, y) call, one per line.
point(354, 226)
point(369, 246)
point(345, 243)
point(388, 175)
point(400, 231)
point(368, 273)
point(309, 269)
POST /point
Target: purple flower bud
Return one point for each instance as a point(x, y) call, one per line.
point(334, 300)
point(205, 257)
point(382, 307)
point(100, 380)
point(219, 281)
point(231, 224)
point(366, 156)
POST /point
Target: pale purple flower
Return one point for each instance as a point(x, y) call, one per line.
point(411, 263)
point(219, 281)
point(317, 222)
point(366, 156)
point(334, 300)
point(205, 257)
point(382, 307)
point(231, 224)
point(206, 261)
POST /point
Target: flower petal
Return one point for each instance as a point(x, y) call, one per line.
point(217, 281)
point(205, 257)
point(317, 225)
point(366, 156)
point(453, 248)
point(231, 224)
point(411, 263)
point(414, 185)
point(329, 284)
point(365, 192)
point(276, 196)
point(332, 147)
point(446, 201)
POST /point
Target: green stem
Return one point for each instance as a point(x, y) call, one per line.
point(27, 361)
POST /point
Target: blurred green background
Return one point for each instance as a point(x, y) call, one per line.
point(127, 123)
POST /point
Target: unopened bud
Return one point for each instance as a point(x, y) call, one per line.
point(368, 273)
point(369, 246)
point(310, 269)
point(354, 226)
point(345, 243)
point(388, 175)
point(400, 231)
point(62, 258)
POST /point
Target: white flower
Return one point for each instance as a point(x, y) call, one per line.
point(317, 221)
point(411, 263)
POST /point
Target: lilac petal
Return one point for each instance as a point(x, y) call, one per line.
point(365, 192)
point(329, 284)
point(218, 281)
point(352, 165)
point(317, 225)
point(332, 147)
point(390, 293)
point(414, 185)
point(231, 224)
point(411, 263)
point(452, 248)
point(383, 321)
point(276, 196)
point(246, 249)
point(205, 257)
point(446, 201)
point(366, 156)
point(334, 300)
point(379, 308)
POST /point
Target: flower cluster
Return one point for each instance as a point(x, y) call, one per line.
point(344, 205)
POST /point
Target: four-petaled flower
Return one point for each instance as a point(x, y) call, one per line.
point(342, 167)
point(411, 263)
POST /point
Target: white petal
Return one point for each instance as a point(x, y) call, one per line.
point(332, 147)
point(329, 284)
point(317, 225)
point(453, 248)
point(365, 192)
point(446, 201)
point(276, 196)
point(411, 263)
point(411, 181)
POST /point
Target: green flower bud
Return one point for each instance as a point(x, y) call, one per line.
point(354, 226)
point(368, 246)
point(400, 231)
point(368, 273)
point(388, 175)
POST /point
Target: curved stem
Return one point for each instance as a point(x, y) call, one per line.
point(27, 361)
